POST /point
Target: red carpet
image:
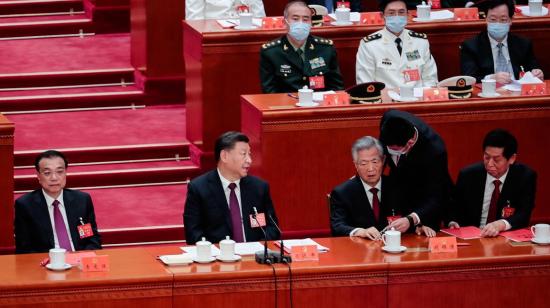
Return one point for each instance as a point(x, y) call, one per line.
point(154, 124)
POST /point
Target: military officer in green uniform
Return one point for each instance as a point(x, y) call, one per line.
point(298, 59)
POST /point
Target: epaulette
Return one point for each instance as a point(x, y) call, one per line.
point(272, 44)
point(320, 40)
point(372, 37)
point(418, 35)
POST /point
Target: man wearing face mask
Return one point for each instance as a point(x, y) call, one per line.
point(417, 159)
point(395, 55)
point(299, 59)
point(496, 53)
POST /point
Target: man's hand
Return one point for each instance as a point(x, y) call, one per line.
point(492, 229)
point(502, 77)
point(429, 232)
point(402, 224)
point(538, 73)
point(370, 233)
point(454, 225)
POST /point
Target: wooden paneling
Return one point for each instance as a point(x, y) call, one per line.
point(7, 243)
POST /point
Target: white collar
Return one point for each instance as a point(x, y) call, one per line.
point(50, 200)
point(226, 182)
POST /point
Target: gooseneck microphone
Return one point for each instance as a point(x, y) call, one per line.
point(284, 258)
point(267, 256)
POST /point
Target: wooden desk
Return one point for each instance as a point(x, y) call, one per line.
point(223, 64)
point(135, 279)
point(305, 152)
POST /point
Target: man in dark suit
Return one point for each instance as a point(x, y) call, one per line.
point(497, 194)
point(354, 5)
point(496, 53)
point(417, 159)
point(54, 216)
point(363, 205)
point(224, 201)
point(299, 59)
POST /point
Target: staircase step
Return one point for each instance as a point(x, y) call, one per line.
point(115, 174)
point(30, 19)
point(72, 25)
point(39, 6)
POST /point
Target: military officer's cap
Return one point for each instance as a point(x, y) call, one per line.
point(368, 92)
point(317, 14)
point(459, 86)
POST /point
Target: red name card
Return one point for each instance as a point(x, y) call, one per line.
point(342, 4)
point(339, 98)
point(442, 244)
point(95, 264)
point(465, 233)
point(532, 89)
point(372, 18)
point(304, 253)
point(470, 13)
point(436, 4)
point(521, 235)
point(272, 23)
point(436, 94)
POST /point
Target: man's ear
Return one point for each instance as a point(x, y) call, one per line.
point(512, 159)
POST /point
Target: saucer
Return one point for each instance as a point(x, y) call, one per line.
point(209, 260)
point(64, 268)
point(481, 94)
point(525, 11)
point(235, 258)
point(396, 97)
point(422, 19)
point(245, 28)
point(341, 23)
point(182, 259)
point(400, 249)
point(307, 105)
point(534, 240)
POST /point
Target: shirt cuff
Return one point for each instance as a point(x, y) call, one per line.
point(353, 231)
point(508, 225)
point(416, 218)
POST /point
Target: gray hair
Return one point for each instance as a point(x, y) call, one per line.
point(365, 143)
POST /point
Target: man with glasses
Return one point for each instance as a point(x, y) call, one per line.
point(496, 53)
point(394, 55)
point(54, 217)
point(299, 59)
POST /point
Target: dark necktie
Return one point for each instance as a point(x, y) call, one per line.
point(60, 228)
point(492, 215)
point(502, 64)
point(235, 210)
point(398, 44)
point(375, 203)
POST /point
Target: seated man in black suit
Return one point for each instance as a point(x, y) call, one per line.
point(54, 216)
point(417, 159)
point(362, 205)
point(223, 201)
point(496, 53)
point(476, 199)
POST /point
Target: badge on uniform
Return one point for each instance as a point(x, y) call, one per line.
point(317, 63)
point(317, 82)
point(507, 211)
point(386, 61)
point(285, 69)
point(411, 75)
point(412, 55)
point(258, 221)
point(84, 230)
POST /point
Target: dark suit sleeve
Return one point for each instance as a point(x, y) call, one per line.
point(94, 242)
point(525, 201)
point(355, 6)
point(192, 215)
point(339, 223)
point(334, 77)
point(468, 61)
point(457, 202)
point(531, 63)
point(271, 230)
point(23, 234)
point(267, 73)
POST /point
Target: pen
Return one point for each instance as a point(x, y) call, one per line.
point(292, 95)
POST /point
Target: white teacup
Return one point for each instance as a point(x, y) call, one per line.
point(541, 232)
point(488, 86)
point(227, 248)
point(342, 15)
point(245, 20)
point(406, 91)
point(305, 96)
point(392, 239)
point(535, 7)
point(423, 11)
point(57, 257)
point(204, 250)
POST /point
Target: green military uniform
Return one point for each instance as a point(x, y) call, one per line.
point(282, 69)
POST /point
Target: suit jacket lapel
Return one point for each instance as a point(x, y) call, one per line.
point(41, 211)
point(246, 205)
point(479, 192)
point(361, 196)
point(291, 55)
point(219, 194)
point(486, 49)
point(72, 216)
point(514, 57)
point(507, 188)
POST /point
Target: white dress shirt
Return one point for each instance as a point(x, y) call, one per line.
point(49, 202)
point(488, 192)
point(220, 9)
point(370, 196)
point(505, 53)
point(227, 192)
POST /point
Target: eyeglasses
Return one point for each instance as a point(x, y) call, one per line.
point(49, 173)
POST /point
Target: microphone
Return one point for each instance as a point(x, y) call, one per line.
point(284, 259)
point(267, 256)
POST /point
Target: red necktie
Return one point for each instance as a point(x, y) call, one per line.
point(235, 210)
point(492, 215)
point(60, 228)
point(375, 203)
